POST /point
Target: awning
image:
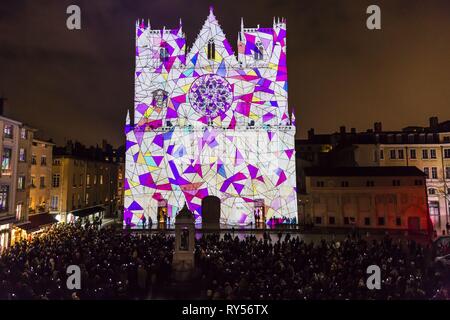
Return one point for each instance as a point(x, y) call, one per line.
point(7, 220)
point(38, 221)
point(87, 211)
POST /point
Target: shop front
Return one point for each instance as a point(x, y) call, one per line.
point(6, 224)
point(37, 224)
point(91, 214)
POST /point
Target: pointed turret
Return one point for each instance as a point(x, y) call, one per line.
point(127, 120)
point(180, 28)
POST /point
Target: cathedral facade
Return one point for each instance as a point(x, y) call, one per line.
point(208, 122)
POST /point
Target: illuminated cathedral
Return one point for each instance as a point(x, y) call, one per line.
point(208, 122)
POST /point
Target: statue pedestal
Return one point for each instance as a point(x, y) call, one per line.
point(182, 270)
point(183, 262)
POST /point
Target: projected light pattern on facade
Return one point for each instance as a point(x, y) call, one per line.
point(209, 123)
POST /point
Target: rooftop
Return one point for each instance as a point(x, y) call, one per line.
point(363, 172)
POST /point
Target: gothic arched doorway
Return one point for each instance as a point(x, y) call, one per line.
point(211, 212)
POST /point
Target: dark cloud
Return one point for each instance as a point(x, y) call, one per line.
point(79, 84)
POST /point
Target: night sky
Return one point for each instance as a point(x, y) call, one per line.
point(78, 84)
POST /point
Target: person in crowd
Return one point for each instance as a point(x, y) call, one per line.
point(114, 265)
point(252, 269)
point(123, 265)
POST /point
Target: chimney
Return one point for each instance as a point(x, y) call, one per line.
point(342, 129)
point(434, 122)
point(377, 127)
point(310, 133)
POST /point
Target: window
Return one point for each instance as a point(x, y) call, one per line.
point(23, 133)
point(8, 131)
point(55, 180)
point(412, 154)
point(19, 211)
point(396, 183)
point(318, 220)
point(42, 182)
point(95, 179)
point(33, 181)
point(447, 153)
point(320, 184)
point(418, 182)
point(331, 220)
point(6, 160)
point(258, 51)
point(447, 172)
point(4, 197)
point(73, 200)
point(381, 221)
point(54, 202)
point(370, 183)
point(87, 198)
point(433, 153)
point(427, 172)
point(398, 221)
point(211, 50)
point(344, 184)
point(424, 154)
point(22, 155)
point(43, 160)
point(393, 154)
point(101, 179)
point(88, 180)
point(381, 154)
point(432, 191)
point(163, 53)
point(81, 180)
point(346, 220)
point(74, 181)
point(434, 208)
point(367, 221)
point(57, 162)
point(401, 154)
point(33, 159)
point(21, 183)
point(434, 173)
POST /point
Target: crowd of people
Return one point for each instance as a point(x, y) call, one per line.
point(269, 269)
point(117, 264)
point(114, 265)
